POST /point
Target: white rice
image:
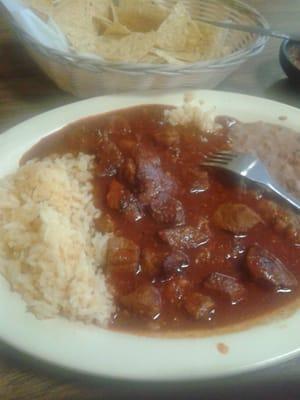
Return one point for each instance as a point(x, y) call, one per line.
point(190, 113)
point(50, 252)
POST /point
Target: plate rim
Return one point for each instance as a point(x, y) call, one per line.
point(67, 112)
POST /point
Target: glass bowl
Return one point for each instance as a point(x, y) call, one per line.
point(86, 76)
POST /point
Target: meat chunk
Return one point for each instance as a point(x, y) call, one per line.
point(236, 218)
point(289, 226)
point(151, 177)
point(128, 145)
point(186, 237)
point(104, 223)
point(203, 225)
point(226, 285)
point(175, 263)
point(175, 290)
point(267, 269)
point(122, 254)
point(144, 301)
point(129, 170)
point(167, 210)
point(199, 307)
point(168, 137)
point(238, 249)
point(199, 181)
point(151, 261)
point(108, 158)
point(115, 195)
point(119, 198)
point(268, 209)
point(203, 255)
point(284, 222)
point(131, 208)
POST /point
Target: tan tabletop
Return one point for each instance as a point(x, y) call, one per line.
point(25, 92)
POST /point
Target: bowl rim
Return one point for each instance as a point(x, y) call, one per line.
point(284, 50)
point(94, 63)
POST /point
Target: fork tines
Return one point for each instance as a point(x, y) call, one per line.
point(218, 158)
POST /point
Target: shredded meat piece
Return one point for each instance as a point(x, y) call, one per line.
point(199, 306)
point(144, 301)
point(151, 261)
point(226, 285)
point(236, 218)
point(203, 225)
point(128, 170)
point(203, 255)
point(119, 198)
point(131, 208)
point(238, 249)
point(267, 269)
point(175, 289)
point(175, 262)
point(187, 237)
point(283, 221)
point(105, 224)
point(115, 195)
point(199, 181)
point(122, 254)
point(109, 164)
point(168, 137)
point(128, 145)
point(167, 210)
point(269, 209)
point(152, 179)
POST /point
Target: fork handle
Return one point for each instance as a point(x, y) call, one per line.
point(284, 195)
point(252, 29)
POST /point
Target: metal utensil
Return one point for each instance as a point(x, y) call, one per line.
point(251, 168)
point(252, 29)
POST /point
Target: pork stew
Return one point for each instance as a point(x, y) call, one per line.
point(190, 247)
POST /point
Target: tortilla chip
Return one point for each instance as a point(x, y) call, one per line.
point(90, 8)
point(141, 16)
point(71, 15)
point(134, 30)
point(100, 7)
point(116, 29)
point(152, 58)
point(113, 12)
point(130, 48)
point(168, 57)
point(81, 40)
point(76, 19)
point(101, 24)
point(108, 28)
point(184, 39)
point(175, 31)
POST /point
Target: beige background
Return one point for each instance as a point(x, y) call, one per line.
point(25, 92)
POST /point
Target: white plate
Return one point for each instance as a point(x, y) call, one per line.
point(104, 353)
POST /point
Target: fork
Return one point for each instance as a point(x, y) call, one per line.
point(260, 30)
point(250, 167)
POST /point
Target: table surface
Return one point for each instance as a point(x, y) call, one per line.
point(24, 92)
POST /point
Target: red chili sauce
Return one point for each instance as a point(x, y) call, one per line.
point(191, 247)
